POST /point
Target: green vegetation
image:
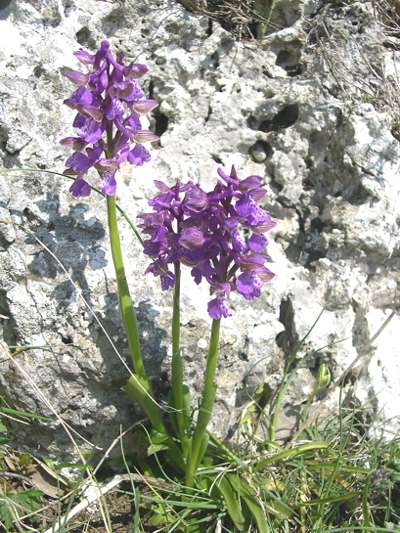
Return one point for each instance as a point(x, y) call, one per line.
point(330, 475)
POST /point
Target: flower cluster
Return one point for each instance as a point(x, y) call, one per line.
point(109, 102)
point(220, 234)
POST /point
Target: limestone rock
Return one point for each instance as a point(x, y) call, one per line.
point(273, 109)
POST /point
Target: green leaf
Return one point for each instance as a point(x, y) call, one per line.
point(333, 499)
point(252, 503)
point(158, 442)
point(232, 501)
point(203, 447)
point(186, 403)
point(23, 414)
point(293, 452)
point(277, 507)
point(15, 504)
point(155, 448)
point(258, 513)
point(137, 389)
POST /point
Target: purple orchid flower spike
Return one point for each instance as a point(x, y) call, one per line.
point(109, 104)
point(219, 234)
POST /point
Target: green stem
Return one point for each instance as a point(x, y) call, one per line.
point(277, 410)
point(125, 301)
point(199, 439)
point(178, 402)
point(138, 386)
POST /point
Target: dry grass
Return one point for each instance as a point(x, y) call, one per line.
point(357, 45)
point(246, 19)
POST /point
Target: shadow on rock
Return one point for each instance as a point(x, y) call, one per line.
point(74, 240)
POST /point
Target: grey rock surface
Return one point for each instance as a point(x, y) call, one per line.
point(282, 109)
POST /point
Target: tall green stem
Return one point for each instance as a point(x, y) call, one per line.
point(138, 386)
point(127, 310)
point(199, 440)
point(125, 301)
point(178, 402)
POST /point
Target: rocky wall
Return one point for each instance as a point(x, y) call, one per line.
point(277, 108)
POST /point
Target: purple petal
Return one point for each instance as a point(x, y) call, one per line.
point(81, 97)
point(221, 288)
point(151, 248)
point(138, 155)
point(108, 185)
point(121, 154)
point(162, 200)
point(249, 183)
point(135, 70)
point(80, 188)
point(249, 285)
point(75, 143)
point(159, 235)
point(238, 242)
point(196, 200)
point(264, 225)
point(101, 53)
point(106, 165)
point(127, 90)
point(218, 308)
point(103, 80)
point(77, 77)
point(258, 193)
point(167, 280)
point(78, 162)
point(122, 128)
point(94, 153)
point(134, 122)
point(191, 238)
point(92, 111)
point(233, 179)
point(251, 213)
point(244, 206)
point(114, 108)
point(79, 121)
point(197, 276)
point(251, 261)
point(151, 220)
point(84, 57)
point(91, 131)
point(264, 273)
point(161, 186)
point(257, 243)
